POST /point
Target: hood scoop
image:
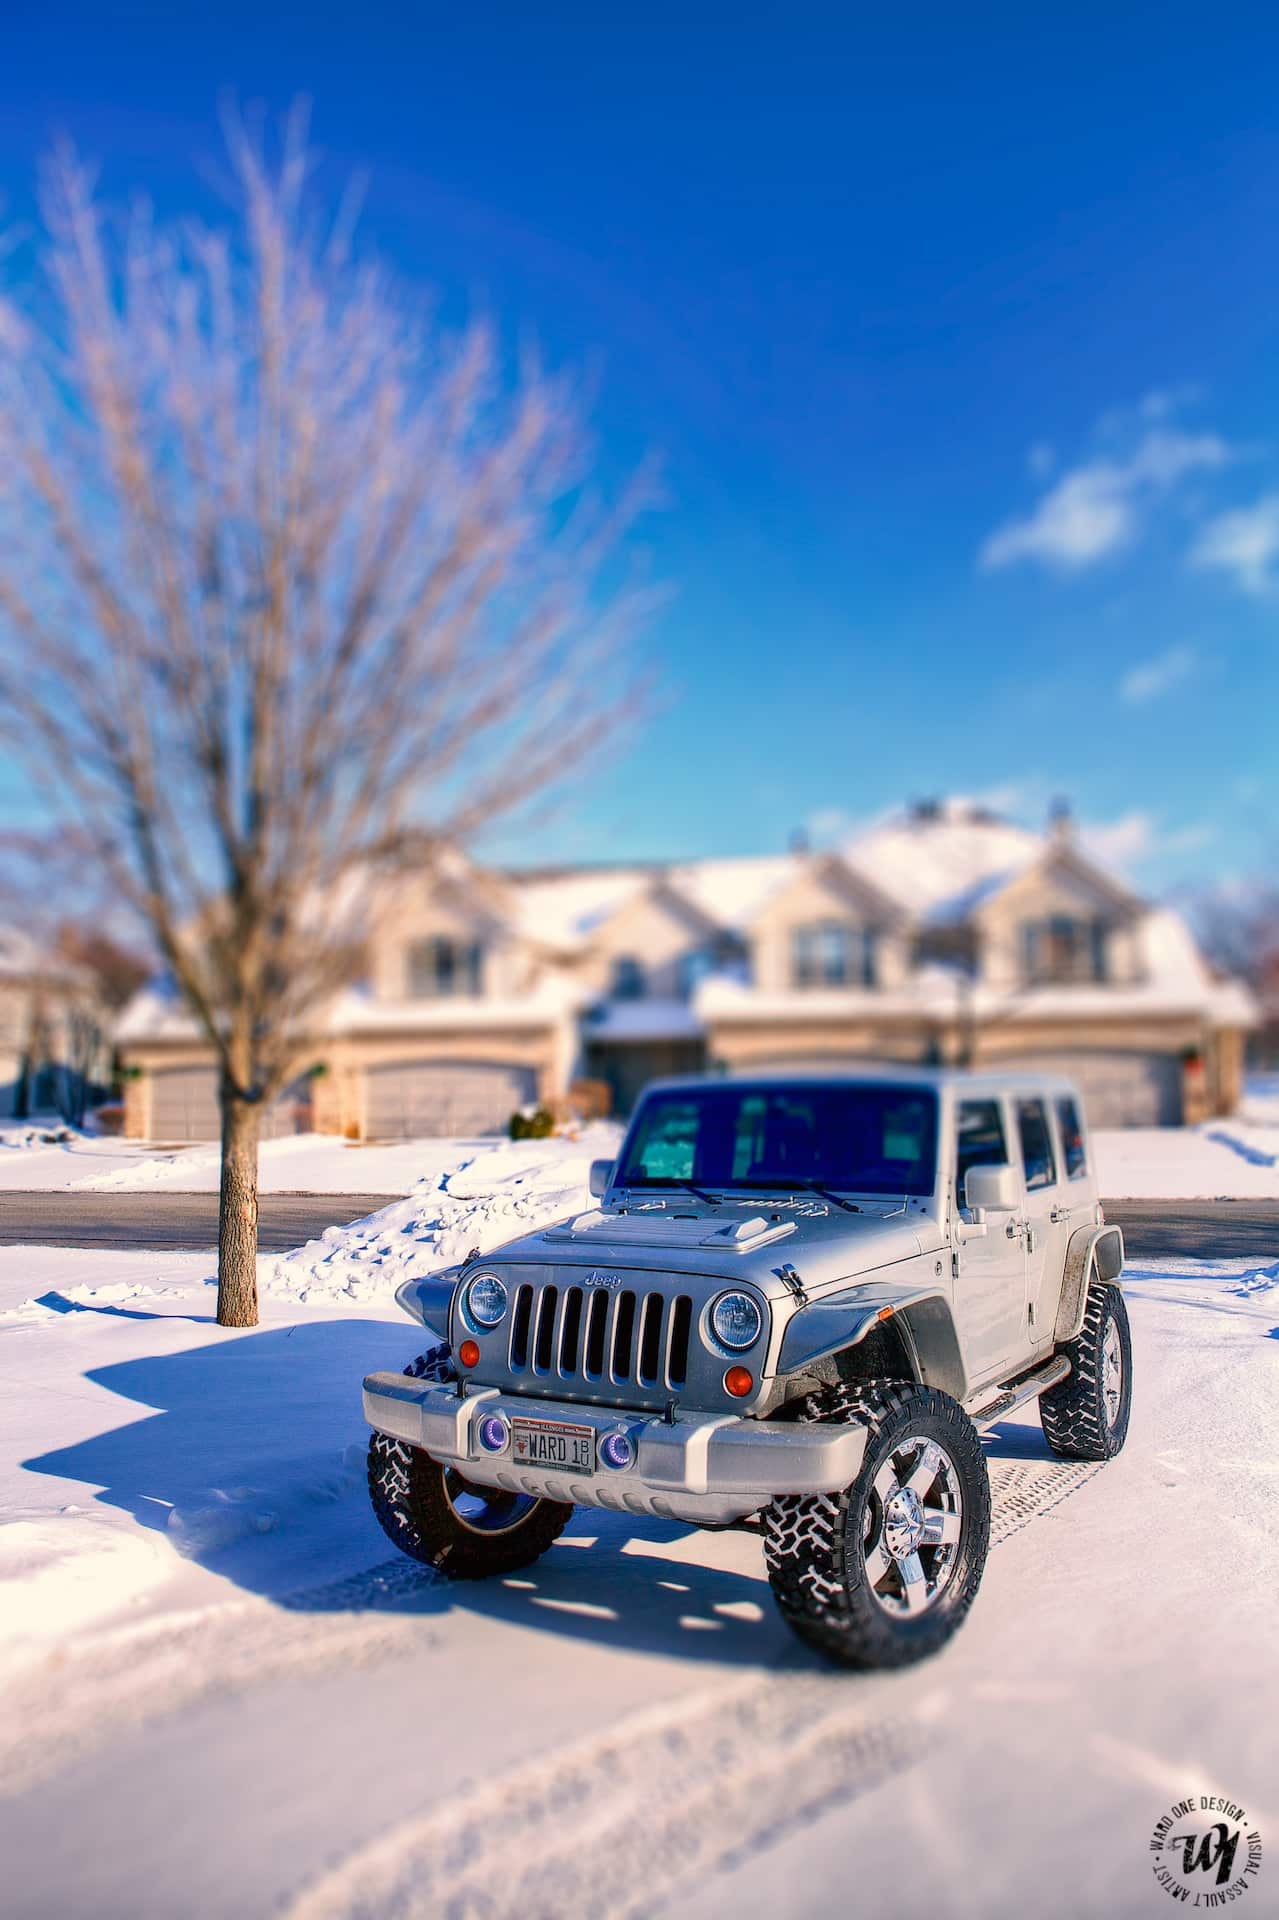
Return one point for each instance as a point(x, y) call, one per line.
point(673, 1230)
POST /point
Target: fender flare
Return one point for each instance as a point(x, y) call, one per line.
point(429, 1300)
point(841, 1320)
point(1089, 1249)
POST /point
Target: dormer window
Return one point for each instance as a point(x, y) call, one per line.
point(832, 953)
point(1062, 950)
point(441, 968)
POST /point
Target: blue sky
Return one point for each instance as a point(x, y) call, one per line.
point(955, 332)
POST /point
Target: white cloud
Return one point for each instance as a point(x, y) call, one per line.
point(1097, 508)
point(1041, 460)
point(1149, 678)
point(1243, 543)
point(1135, 838)
point(1119, 843)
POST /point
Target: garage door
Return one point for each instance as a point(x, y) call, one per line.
point(412, 1097)
point(184, 1106)
point(1120, 1089)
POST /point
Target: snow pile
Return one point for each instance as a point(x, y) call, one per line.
point(492, 1196)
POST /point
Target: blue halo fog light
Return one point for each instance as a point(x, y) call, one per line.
point(492, 1433)
point(617, 1450)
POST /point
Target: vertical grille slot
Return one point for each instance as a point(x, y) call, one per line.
point(623, 1333)
point(543, 1338)
point(520, 1319)
point(596, 1320)
point(681, 1325)
point(570, 1329)
point(650, 1340)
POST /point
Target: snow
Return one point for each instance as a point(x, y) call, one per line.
point(493, 1195)
point(933, 864)
point(204, 1634)
point(1229, 1159)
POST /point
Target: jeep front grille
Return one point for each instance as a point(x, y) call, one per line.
point(597, 1336)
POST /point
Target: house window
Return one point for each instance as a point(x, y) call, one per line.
point(439, 968)
point(724, 954)
point(629, 980)
point(830, 953)
point(1061, 950)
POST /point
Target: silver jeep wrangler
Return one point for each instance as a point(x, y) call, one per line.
point(799, 1299)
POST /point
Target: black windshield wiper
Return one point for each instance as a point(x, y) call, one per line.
point(825, 1193)
point(650, 1186)
point(711, 1199)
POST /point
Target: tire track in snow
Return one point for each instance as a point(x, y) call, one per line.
point(605, 1827)
point(649, 1803)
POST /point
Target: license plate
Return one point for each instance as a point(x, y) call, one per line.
point(554, 1444)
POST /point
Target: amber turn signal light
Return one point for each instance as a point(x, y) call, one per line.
point(469, 1353)
point(738, 1381)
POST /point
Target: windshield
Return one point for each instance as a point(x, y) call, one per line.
point(872, 1138)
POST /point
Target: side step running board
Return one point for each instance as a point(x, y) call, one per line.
point(1022, 1390)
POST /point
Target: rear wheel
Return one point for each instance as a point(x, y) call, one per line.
point(884, 1571)
point(1086, 1417)
point(434, 1514)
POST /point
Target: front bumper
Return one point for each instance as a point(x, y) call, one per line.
point(708, 1469)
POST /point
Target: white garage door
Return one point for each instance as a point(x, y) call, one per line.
point(1120, 1089)
point(411, 1097)
point(184, 1106)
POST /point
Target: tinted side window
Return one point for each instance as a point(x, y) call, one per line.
point(980, 1139)
point(1072, 1139)
point(1036, 1145)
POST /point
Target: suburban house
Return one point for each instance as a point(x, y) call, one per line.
point(945, 934)
point(50, 1025)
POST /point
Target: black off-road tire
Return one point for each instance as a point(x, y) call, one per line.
point(814, 1543)
point(1077, 1420)
point(412, 1505)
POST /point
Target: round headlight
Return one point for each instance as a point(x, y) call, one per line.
point(485, 1300)
point(736, 1321)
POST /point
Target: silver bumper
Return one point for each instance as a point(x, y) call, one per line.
point(702, 1468)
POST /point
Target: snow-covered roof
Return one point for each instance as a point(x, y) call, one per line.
point(564, 909)
point(732, 892)
point(941, 865)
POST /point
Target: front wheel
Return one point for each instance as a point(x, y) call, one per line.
point(884, 1572)
point(434, 1514)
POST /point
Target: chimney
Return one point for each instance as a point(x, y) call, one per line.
point(1061, 823)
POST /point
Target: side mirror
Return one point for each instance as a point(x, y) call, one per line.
point(993, 1189)
point(601, 1176)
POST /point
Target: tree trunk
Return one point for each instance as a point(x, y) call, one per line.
point(238, 1211)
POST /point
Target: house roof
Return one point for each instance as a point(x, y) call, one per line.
point(940, 865)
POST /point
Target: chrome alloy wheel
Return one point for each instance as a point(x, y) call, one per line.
point(914, 1517)
point(1112, 1373)
point(485, 1509)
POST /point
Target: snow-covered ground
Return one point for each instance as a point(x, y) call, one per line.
point(1234, 1159)
point(225, 1695)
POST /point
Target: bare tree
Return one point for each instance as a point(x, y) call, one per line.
point(293, 583)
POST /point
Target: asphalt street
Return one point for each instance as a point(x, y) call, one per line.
point(176, 1222)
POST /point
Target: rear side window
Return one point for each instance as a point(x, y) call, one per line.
point(1072, 1138)
point(1036, 1145)
point(980, 1128)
